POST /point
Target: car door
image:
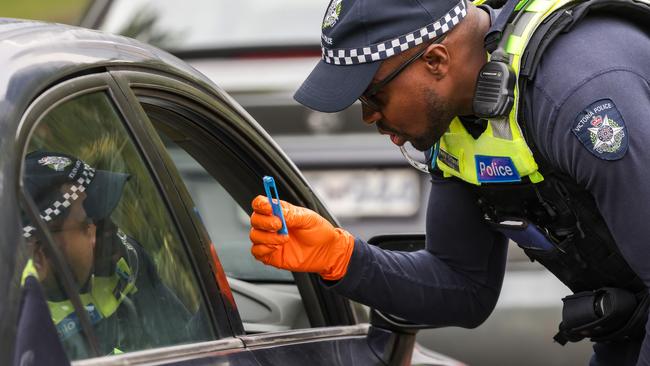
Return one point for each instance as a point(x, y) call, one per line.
point(185, 309)
point(147, 298)
point(222, 155)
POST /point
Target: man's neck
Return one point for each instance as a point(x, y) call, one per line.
point(484, 22)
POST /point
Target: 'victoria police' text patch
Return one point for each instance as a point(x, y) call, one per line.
point(601, 129)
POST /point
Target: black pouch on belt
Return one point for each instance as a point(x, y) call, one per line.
point(606, 314)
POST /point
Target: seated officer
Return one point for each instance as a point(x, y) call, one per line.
point(116, 278)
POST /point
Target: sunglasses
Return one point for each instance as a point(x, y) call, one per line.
point(368, 98)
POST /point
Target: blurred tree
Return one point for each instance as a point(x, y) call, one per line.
point(142, 26)
point(61, 11)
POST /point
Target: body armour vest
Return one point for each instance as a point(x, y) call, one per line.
point(555, 221)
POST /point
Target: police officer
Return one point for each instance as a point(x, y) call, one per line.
point(533, 118)
point(116, 278)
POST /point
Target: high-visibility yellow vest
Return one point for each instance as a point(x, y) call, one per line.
point(500, 154)
point(105, 296)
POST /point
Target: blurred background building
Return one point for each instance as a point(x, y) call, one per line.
point(259, 51)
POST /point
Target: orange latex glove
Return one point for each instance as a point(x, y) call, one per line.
point(313, 244)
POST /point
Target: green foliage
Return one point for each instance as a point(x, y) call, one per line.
point(142, 26)
point(62, 11)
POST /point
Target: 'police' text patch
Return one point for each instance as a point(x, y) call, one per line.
point(496, 169)
point(601, 129)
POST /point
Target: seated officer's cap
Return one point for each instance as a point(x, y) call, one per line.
point(358, 34)
point(46, 172)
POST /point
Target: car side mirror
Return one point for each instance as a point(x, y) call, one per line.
point(405, 243)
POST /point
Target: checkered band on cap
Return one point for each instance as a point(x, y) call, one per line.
point(57, 207)
point(384, 50)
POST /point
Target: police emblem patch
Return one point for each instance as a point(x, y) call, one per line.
point(601, 129)
point(332, 14)
point(57, 163)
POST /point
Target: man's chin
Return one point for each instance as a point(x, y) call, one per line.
point(421, 145)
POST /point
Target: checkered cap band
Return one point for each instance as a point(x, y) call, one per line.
point(384, 50)
point(66, 200)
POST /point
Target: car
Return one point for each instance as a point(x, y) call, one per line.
point(260, 54)
point(171, 269)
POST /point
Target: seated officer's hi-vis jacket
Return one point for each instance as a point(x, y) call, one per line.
point(546, 213)
point(107, 293)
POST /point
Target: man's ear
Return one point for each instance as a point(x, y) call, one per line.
point(41, 263)
point(438, 59)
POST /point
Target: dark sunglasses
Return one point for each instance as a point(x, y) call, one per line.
point(368, 98)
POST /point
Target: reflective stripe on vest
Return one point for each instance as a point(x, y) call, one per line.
point(500, 154)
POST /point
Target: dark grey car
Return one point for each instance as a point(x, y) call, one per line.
point(127, 107)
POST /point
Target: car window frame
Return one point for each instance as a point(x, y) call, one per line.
point(101, 81)
point(262, 155)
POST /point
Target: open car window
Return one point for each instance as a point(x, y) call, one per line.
point(222, 186)
point(107, 219)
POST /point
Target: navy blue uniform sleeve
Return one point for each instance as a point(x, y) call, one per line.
point(454, 282)
point(599, 133)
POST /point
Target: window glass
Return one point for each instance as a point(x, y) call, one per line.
point(222, 186)
point(212, 192)
point(229, 224)
point(107, 218)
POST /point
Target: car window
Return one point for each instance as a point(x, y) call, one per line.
point(229, 224)
point(107, 218)
point(218, 206)
point(208, 24)
point(222, 186)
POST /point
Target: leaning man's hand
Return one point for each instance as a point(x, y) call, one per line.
point(313, 244)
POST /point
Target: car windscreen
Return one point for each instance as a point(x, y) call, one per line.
point(216, 24)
